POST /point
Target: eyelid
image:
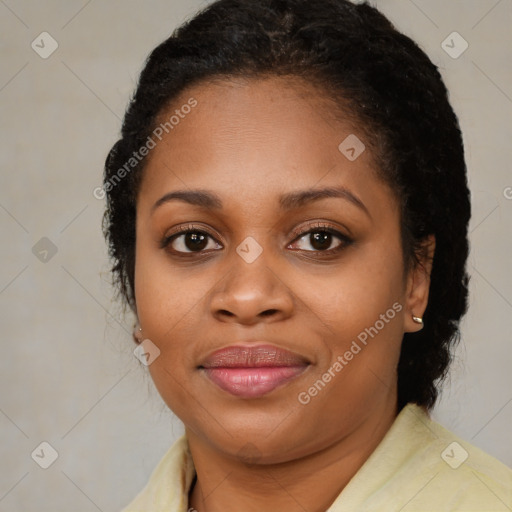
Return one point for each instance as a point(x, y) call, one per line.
point(319, 225)
point(189, 227)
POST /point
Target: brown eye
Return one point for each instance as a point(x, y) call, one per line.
point(190, 241)
point(195, 241)
point(320, 240)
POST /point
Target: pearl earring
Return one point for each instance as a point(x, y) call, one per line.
point(137, 333)
point(417, 319)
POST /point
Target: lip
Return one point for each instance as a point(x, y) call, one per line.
point(252, 371)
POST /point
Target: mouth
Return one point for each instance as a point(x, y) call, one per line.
point(252, 371)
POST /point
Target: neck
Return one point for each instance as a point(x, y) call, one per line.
point(311, 482)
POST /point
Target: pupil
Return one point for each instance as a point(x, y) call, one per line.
point(321, 240)
point(195, 241)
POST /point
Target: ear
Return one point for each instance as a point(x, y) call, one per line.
point(418, 285)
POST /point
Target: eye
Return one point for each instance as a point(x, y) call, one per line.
point(321, 239)
point(188, 240)
point(191, 240)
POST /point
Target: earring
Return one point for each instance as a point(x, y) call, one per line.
point(417, 319)
point(137, 334)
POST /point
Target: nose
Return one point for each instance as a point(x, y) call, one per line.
point(251, 293)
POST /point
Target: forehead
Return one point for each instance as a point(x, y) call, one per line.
point(256, 137)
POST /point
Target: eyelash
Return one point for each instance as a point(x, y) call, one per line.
point(298, 234)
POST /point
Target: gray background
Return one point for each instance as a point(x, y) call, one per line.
point(68, 375)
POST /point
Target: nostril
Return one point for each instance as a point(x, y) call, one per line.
point(226, 312)
point(268, 312)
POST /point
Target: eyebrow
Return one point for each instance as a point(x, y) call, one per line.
point(302, 197)
point(289, 201)
point(202, 198)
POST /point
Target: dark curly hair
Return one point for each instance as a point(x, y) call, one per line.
point(355, 56)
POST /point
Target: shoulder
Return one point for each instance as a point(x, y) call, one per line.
point(471, 478)
point(167, 488)
point(422, 466)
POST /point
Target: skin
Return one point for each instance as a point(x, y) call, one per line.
point(249, 142)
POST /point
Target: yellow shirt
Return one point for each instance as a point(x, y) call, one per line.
point(418, 466)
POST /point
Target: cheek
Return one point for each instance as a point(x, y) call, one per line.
point(362, 311)
point(359, 291)
point(362, 307)
point(165, 294)
point(165, 309)
point(170, 302)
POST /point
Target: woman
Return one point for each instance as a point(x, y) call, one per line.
point(287, 215)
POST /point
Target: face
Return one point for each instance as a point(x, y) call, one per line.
point(276, 295)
